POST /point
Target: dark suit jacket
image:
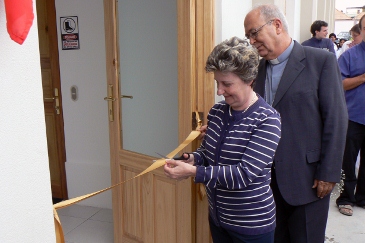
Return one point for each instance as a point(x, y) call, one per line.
point(310, 100)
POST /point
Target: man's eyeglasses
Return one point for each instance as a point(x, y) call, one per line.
point(253, 34)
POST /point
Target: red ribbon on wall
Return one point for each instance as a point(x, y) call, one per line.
point(19, 18)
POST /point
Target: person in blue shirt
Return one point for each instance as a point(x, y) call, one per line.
point(352, 67)
point(319, 30)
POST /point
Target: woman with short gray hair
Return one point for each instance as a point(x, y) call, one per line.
point(234, 160)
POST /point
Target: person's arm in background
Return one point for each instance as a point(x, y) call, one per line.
point(344, 47)
point(349, 83)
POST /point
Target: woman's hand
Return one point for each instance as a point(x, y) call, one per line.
point(203, 130)
point(189, 158)
point(179, 170)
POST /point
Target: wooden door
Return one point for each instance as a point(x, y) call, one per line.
point(153, 208)
point(48, 49)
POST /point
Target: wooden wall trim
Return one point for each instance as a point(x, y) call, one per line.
point(186, 60)
point(196, 87)
point(111, 49)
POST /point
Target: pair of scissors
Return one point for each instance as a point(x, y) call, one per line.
point(175, 158)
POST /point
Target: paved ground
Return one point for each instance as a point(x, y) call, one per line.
point(342, 228)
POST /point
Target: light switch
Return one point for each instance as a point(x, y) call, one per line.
point(74, 93)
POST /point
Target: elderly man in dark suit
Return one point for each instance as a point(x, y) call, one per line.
point(304, 85)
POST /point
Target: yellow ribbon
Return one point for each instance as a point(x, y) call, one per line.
point(160, 162)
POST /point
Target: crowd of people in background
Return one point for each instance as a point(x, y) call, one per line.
point(337, 44)
point(351, 59)
point(319, 31)
point(351, 63)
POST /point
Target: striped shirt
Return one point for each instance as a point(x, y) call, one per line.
point(234, 162)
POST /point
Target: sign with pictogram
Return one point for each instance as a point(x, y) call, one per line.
point(69, 27)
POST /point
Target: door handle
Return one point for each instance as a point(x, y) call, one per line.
point(56, 99)
point(110, 100)
point(126, 96)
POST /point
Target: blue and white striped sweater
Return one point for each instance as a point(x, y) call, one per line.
point(234, 162)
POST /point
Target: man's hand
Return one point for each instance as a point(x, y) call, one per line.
point(323, 188)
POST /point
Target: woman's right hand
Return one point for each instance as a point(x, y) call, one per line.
point(189, 158)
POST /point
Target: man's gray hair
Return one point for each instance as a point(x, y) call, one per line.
point(271, 11)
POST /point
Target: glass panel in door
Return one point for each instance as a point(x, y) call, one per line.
point(148, 73)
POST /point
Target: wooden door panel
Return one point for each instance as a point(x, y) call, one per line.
point(149, 206)
point(55, 172)
point(153, 208)
point(132, 205)
point(52, 145)
point(47, 81)
point(165, 210)
point(136, 197)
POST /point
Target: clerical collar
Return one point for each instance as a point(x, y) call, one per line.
point(274, 61)
point(283, 56)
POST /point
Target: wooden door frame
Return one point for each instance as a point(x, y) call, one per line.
point(56, 76)
point(196, 92)
point(111, 50)
point(195, 42)
point(56, 83)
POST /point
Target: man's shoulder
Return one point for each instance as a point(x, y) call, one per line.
point(312, 52)
point(310, 56)
point(328, 40)
point(307, 42)
point(354, 51)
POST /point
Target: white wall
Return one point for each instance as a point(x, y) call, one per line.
point(312, 10)
point(291, 10)
point(86, 120)
point(232, 14)
point(229, 16)
point(299, 13)
point(344, 25)
point(25, 195)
